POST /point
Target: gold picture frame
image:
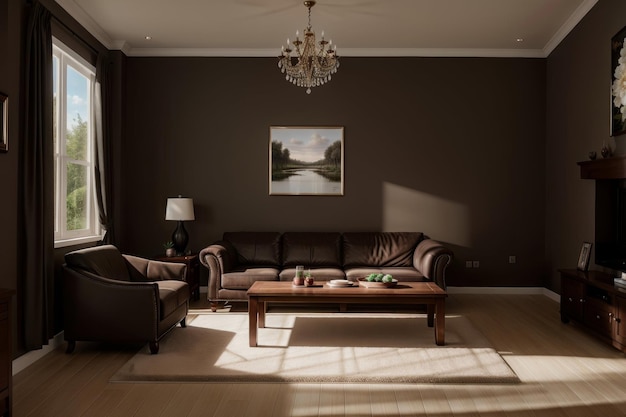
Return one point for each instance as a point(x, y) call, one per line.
point(4, 122)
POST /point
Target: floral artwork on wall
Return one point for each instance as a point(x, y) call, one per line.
point(618, 87)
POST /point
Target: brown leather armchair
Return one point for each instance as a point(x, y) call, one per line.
point(120, 298)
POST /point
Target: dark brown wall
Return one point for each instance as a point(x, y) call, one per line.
point(10, 30)
point(11, 15)
point(578, 97)
point(450, 147)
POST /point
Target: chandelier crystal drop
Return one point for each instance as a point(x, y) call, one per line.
point(308, 64)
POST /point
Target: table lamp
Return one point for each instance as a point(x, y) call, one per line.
point(180, 209)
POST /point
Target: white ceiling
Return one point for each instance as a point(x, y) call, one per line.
point(484, 28)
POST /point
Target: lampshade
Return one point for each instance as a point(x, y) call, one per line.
point(180, 209)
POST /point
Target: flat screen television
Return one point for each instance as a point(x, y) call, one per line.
point(610, 244)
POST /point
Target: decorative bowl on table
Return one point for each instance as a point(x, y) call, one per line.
point(363, 282)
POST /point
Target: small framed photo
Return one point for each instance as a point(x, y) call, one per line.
point(4, 119)
point(583, 258)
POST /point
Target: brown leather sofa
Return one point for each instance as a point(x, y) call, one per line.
point(241, 258)
point(120, 298)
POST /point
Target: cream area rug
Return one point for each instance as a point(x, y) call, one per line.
point(320, 347)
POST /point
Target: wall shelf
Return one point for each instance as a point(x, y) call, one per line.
point(603, 169)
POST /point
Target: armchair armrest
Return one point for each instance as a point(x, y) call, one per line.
point(142, 269)
point(98, 308)
point(432, 258)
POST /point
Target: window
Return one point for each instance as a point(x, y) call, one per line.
point(75, 207)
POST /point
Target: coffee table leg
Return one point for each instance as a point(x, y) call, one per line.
point(440, 322)
point(262, 309)
point(430, 314)
point(253, 311)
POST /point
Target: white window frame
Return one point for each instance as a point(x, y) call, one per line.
point(92, 233)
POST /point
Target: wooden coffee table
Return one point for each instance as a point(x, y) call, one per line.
point(416, 293)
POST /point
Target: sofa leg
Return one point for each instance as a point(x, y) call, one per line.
point(154, 347)
point(71, 345)
point(214, 306)
point(183, 322)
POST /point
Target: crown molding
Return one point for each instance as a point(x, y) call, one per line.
point(87, 22)
point(568, 26)
point(348, 52)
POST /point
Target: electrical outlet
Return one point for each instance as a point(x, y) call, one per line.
point(468, 264)
point(512, 259)
point(475, 264)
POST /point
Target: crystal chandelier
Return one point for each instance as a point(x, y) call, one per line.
point(307, 64)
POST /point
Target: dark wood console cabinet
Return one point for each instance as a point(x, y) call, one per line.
point(591, 298)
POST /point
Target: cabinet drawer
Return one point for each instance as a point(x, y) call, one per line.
point(599, 316)
point(572, 298)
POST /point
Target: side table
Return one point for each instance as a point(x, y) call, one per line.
point(192, 276)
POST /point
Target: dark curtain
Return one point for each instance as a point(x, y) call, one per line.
point(102, 164)
point(37, 184)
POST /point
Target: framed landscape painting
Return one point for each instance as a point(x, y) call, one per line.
point(306, 160)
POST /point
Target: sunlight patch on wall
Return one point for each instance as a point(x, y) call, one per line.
point(405, 209)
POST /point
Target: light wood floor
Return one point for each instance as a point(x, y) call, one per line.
point(564, 372)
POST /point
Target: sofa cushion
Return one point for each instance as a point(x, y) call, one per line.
point(172, 294)
point(243, 278)
point(311, 249)
point(255, 248)
point(381, 249)
point(105, 261)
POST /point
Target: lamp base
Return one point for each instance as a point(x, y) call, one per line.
point(180, 238)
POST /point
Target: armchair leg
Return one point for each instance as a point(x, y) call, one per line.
point(71, 345)
point(154, 347)
point(214, 306)
point(183, 322)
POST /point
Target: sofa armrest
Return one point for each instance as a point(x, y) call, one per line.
point(98, 308)
point(149, 270)
point(432, 258)
point(217, 258)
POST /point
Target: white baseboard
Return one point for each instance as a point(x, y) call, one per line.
point(27, 359)
point(505, 290)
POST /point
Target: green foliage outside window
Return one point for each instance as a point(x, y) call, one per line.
point(76, 149)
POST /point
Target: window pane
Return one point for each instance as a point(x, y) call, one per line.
point(76, 199)
point(77, 115)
